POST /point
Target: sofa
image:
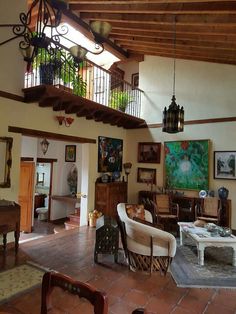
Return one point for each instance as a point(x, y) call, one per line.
point(147, 247)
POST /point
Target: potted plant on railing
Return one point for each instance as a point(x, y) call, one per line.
point(120, 100)
point(60, 66)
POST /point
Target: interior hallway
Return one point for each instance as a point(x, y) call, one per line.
point(71, 252)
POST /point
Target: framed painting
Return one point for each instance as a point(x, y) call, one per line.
point(70, 153)
point(146, 175)
point(149, 152)
point(110, 153)
point(135, 80)
point(225, 165)
point(187, 165)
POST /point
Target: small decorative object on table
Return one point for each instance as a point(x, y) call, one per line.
point(225, 232)
point(223, 193)
point(93, 216)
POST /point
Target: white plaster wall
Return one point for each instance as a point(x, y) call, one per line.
point(129, 68)
point(205, 90)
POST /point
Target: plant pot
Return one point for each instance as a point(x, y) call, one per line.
point(92, 222)
point(46, 73)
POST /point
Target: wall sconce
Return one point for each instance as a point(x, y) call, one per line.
point(44, 145)
point(66, 120)
point(127, 166)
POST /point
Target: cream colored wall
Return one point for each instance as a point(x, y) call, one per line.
point(206, 90)
point(31, 116)
point(11, 60)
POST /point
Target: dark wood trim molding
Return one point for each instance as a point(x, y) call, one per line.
point(203, 121)
point(49, 135)
point(11, 96)
point(26, 159)
point(46, 160)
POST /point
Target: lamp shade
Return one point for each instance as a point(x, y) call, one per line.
point(78, 52)
point(101, 27)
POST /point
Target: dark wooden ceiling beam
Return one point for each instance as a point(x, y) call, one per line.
point(186, 56)
point(193, 29)
point(190, 43)
point(188, 50)
point(227, 7)
point(184, 19)
point(218, 38)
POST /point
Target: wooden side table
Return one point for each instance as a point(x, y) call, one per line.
point(107, 237)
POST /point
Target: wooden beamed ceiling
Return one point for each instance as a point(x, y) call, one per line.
point(205, 30)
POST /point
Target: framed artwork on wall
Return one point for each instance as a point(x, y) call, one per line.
point(146, 175)
point(149, 152)
point(70, 153)
point(225, 165)
point(110, 153)
point(187, 164)
point(135, 80)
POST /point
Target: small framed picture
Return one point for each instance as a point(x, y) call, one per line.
point(70, 153)
point(149, 152)
point(146, 175)
point(135, 80)
point(225, 165)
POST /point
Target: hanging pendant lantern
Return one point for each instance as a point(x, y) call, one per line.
point(173, 117)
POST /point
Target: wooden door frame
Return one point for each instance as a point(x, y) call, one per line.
point(49, 161)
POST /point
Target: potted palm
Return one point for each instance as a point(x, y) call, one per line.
point(120, 100)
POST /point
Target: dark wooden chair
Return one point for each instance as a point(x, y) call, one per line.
point(53, 279)
point(167, 212)
point(139, 311)
point(208, 210)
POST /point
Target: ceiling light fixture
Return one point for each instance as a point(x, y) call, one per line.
point(48, 14)
point(173, 117)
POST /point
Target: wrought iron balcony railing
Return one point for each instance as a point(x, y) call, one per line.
point(85, 79)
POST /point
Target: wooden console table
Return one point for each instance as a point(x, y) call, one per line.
point(10, 221)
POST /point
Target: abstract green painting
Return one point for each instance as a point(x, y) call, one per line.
point(187, 164)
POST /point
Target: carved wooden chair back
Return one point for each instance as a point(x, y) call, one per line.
point(51, 280)
point(163, 203)
point(209, 210)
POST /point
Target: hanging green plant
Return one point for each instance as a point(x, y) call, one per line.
point(120, 100)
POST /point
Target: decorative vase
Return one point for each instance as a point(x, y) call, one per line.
point(223, 193)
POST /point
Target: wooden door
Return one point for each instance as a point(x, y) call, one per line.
point(27, 170)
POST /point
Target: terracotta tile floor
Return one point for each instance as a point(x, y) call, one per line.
point(71, 252)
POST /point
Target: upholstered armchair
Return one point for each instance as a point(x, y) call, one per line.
point(148, 248)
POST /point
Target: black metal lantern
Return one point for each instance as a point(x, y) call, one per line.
point(173, 117)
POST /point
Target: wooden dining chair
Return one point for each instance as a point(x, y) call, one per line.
point(51, 280)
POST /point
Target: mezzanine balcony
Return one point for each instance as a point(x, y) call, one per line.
point(84, 89)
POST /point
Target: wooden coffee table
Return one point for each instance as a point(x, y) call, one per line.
point(203, 239)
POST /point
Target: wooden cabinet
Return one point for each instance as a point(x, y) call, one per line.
point(108, 195)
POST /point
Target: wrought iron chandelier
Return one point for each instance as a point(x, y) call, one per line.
point(47, 14)
point(173, 117)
